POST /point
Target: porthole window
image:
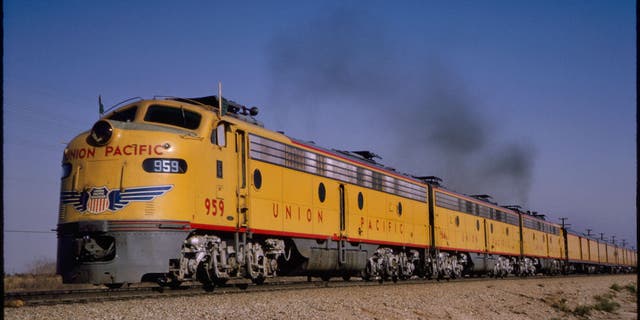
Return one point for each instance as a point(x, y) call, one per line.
point(478, 225)
point(360, 201)
point(322, 192)
point(399, 208)
point(257, 178)
point(457, 221)
point(491, 228)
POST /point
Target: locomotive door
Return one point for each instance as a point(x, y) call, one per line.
point(342, 259)
point(488, 238)
point(486, 235)
point(242, 190)
point(342, 211)
point(219, 197)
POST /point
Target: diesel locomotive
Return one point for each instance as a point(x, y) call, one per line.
point(174, 189)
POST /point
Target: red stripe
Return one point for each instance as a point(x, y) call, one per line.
point(146, 229)
point(464, 250)
point(216, 227)
point(504, 253)
point(579, 261)
point(389, 243)
point(97, 205)
point(480, 251)
point(543, 257)
point(290, 234)
point(146, 221)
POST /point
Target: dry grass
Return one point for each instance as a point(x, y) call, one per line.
point(631, 288)
point(607, 303)
point(41, 276)
point(27, 282)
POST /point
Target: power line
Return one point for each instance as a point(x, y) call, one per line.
point(29, 231)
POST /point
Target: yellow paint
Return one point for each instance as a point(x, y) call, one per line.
point(287, 201)
point(573, 247)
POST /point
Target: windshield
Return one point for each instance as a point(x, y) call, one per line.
point(174, 116)
point(126, 115)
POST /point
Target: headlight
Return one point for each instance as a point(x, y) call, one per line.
point(100, 133)
point(66, 170)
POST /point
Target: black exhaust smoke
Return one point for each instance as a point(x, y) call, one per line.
point(344, 71)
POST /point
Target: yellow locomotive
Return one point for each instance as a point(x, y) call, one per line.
point(175, 189)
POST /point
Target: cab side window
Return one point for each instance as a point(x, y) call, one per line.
point(219, 135)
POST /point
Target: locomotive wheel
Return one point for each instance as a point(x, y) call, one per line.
point(434, 271)
point(208, 287)
point(366, 273)
point(346, 277)
point(202, 273)
point(259, 280)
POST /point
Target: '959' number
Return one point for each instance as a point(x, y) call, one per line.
point(160, 165)
point(214, 206)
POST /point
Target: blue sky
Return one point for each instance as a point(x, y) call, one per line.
point(532, 102)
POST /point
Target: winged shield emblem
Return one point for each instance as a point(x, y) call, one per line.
point(100, 199)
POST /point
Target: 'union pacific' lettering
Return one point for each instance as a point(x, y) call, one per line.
point(82, 153)
point(116, 151)
point(296, 213)
point(133, 150)
point(381, 225)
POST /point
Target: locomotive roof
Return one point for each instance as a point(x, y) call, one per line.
point(229, 108)
point(362, 158)
point(209, 103)
point(593, 238)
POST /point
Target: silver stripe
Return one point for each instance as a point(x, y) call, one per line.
point(292, 157)
point(453, 203)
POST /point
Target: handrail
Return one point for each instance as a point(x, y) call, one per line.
point(121, 102)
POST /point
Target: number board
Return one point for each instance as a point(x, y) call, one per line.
point(164, 165)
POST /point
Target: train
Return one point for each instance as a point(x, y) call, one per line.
point(173, 190)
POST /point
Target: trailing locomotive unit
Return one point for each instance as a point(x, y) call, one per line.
point(175, 189)
point(475, 235)
point(590, 255)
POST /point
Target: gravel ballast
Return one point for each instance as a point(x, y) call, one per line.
point(532, 298)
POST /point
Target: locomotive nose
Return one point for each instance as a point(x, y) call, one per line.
point(100, 133)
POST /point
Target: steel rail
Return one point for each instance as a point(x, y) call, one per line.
point(72, 296)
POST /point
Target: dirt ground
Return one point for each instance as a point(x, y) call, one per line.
point(596, 297)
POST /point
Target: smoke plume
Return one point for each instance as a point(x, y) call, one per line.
point(420, 119)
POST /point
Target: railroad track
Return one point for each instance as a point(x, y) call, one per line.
point(72, 296)
point(68, 296)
